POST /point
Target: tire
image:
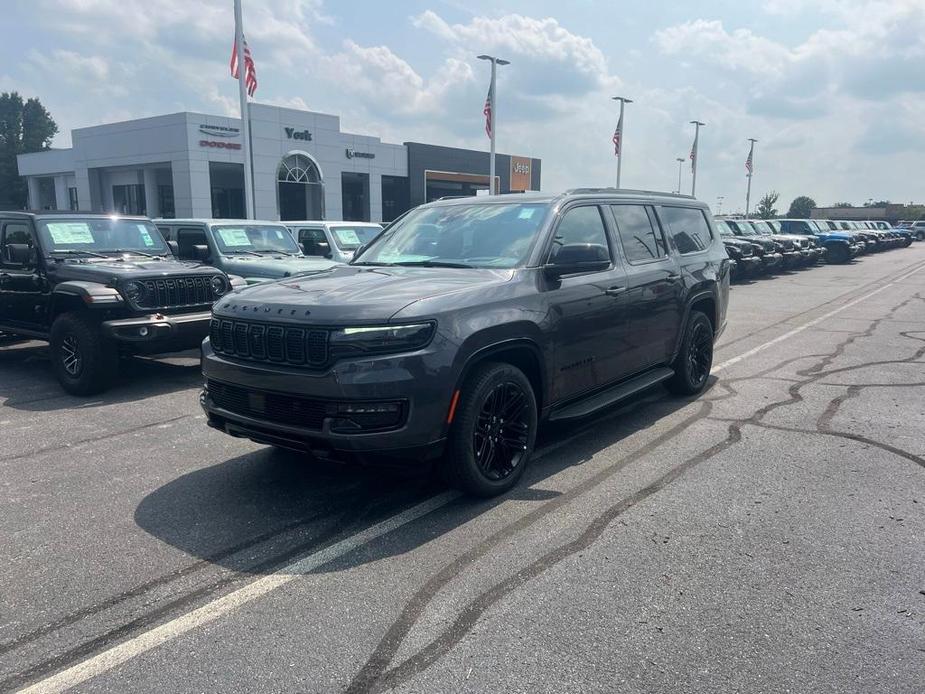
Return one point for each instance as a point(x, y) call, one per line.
point(83, 360)
point(837, 254)
point(695, 358)
point(920, 235)
point(478, 431)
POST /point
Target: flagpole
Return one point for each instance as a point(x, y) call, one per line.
point(695, 155)
point(623, 101)
point(495, 62)
point(751, 167)
point(680, 164)
point(249, 211)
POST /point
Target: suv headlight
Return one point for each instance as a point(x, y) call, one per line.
point(219, 285)
point(733, 252)
point(381, 339)
point(135, 292)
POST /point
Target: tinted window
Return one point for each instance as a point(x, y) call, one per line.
point(187, 238)
point(581, 225)
point(310, 238)
point(641, 241)
point(688, 227)
point(14, 233)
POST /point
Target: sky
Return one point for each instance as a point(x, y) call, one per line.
point(833, 90)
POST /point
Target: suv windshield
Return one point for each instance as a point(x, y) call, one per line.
point(102, 235)
point(466, 234)
point(254, 238)
point(745, 228)
point(723, 228)
point(351, 238)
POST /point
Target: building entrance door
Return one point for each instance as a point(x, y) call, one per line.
point(299, 189)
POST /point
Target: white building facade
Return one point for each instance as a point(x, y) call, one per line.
point(192, 165)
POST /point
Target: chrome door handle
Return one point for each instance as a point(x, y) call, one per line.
point(674, 276)
point(616, 290)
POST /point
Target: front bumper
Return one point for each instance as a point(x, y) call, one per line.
point(791, 259)
point(158, 332)
point(418, 380)
point(770, 261)
point(748, 266)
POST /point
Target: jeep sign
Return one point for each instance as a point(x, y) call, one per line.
point(294, 134)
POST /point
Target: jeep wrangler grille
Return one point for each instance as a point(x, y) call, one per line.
point(269, 343)
point(177, 292)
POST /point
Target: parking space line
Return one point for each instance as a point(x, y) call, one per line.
point(159, 635)
point(211, 611)
point(815, 321)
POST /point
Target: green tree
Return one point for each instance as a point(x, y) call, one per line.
point(766, 209)
point(25, 126)
point(877, 203)
point(801, 207)
point(842, 204)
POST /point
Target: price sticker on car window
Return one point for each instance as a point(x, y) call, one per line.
point(145, 235)
point(234, 238)
point(347, 237)
point(70, 233)
point(526, 213)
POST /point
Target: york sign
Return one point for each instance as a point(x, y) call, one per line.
point(294, 134)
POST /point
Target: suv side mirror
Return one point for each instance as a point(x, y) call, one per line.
point(20, 254)
point(174, 247)
point(200, 252)
point(576, 258)
point(323, 248)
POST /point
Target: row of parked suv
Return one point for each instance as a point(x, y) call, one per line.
point(447, 337)
point(758, 246)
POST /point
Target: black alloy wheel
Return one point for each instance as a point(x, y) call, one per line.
point(502, 431)
point(493, 430)
point(84, 361)
point(695, 358)
point(700, 353)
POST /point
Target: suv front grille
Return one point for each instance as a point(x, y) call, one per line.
point(274, 407)
point(177, 292)
point(269, 343)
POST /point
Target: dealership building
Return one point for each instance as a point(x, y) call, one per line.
point(305, 167)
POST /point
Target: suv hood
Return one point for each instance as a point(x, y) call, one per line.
point(346, 294)
point(273, 267)
point(100, 270)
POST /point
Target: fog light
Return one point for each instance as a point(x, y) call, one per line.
point(366, 416)
point(143, 332)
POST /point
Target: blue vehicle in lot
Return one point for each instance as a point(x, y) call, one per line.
point(840, 246)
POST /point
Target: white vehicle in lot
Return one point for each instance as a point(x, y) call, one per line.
point(336, 241)
point(918, 228)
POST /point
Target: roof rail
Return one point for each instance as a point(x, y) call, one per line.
point(578, 191)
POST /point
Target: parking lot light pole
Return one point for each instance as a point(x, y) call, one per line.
point(680, 164)
point(492, 116)
point(695, 155)
point(618, 135)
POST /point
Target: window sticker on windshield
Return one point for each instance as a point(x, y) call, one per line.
point(145, 235)
point(234, 237)
point(348, 237)
point(526, 213)
point(67, 233)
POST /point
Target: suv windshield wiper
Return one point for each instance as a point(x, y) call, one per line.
point(133, 251)
point(74, 251)
point(243, 251)
point(432, 263)
point(271, 250)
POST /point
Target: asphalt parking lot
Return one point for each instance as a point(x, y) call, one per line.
point(769, 536)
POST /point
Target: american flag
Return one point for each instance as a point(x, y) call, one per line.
point(694, 153)
point(489, 104)
point(250, 79)
point(748, 162)
point(618, 137)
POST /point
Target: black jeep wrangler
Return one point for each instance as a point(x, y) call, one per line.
point(465, 324)
point(94, 285)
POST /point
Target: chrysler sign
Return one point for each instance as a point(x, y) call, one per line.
point(353, 154)
point(218, 130)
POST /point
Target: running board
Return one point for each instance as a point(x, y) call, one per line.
point(587, 406)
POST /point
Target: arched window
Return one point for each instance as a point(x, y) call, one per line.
point(297, 168)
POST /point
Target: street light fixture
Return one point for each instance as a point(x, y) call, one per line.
point(618, 137)
point(493, 103)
